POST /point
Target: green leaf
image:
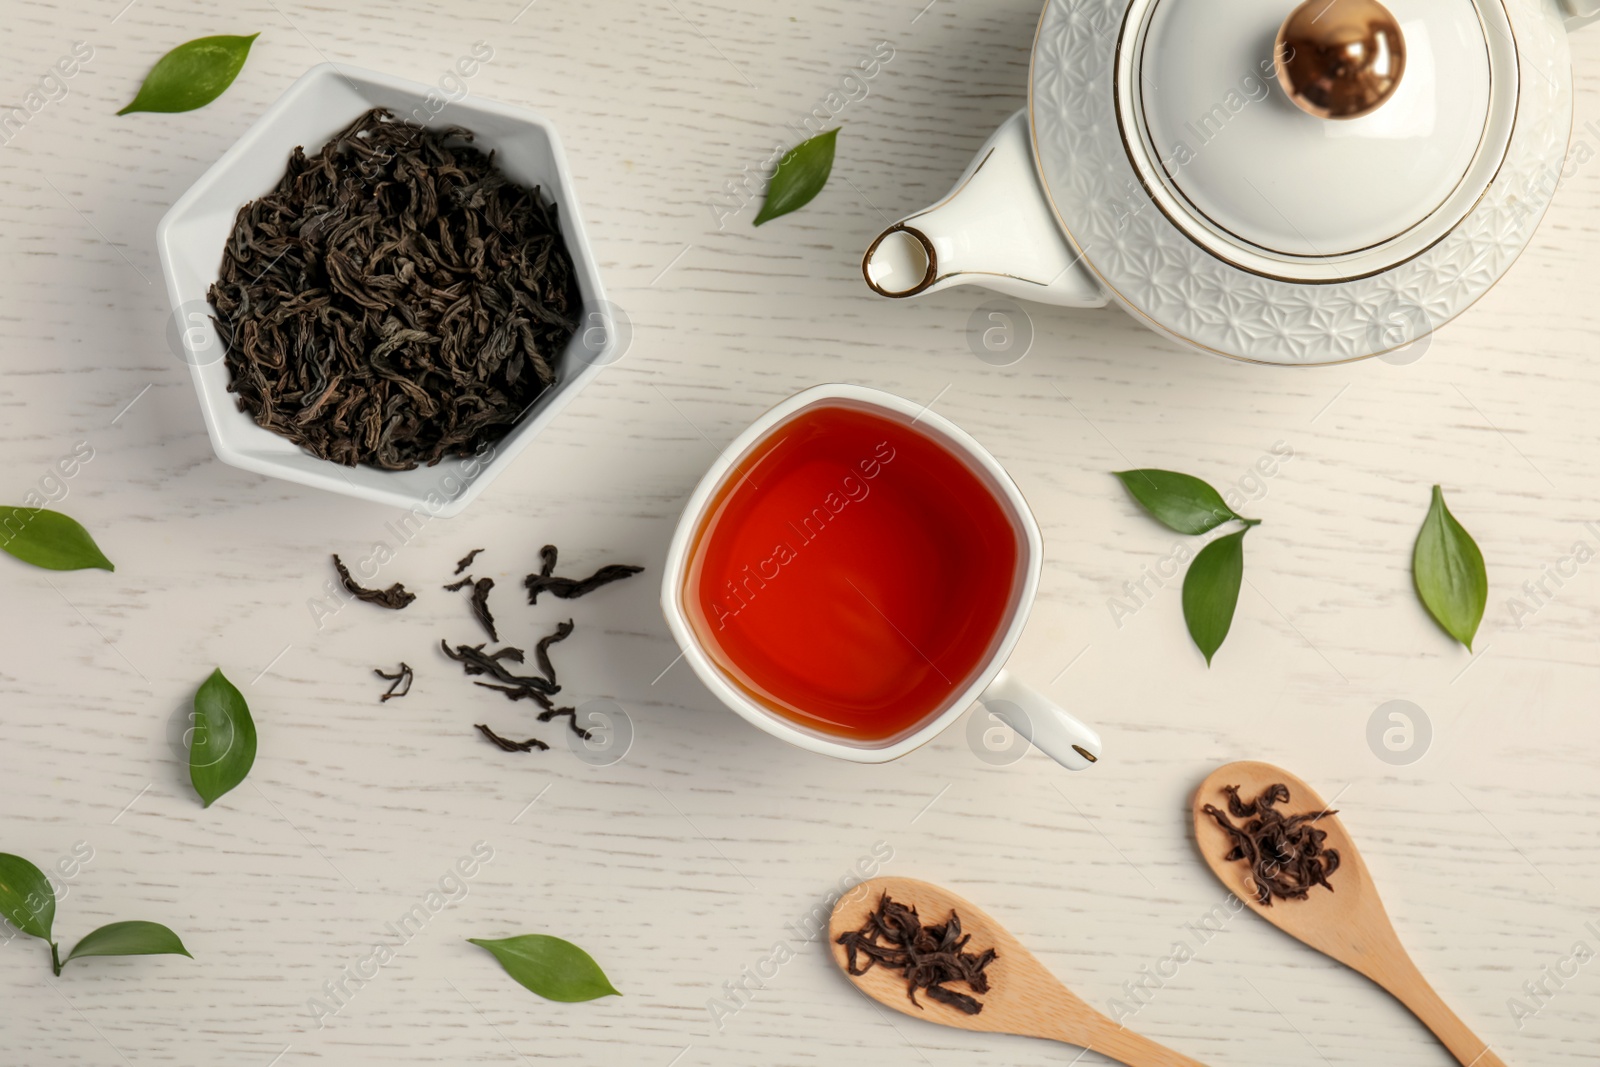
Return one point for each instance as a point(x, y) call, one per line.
point(1449, 572)
point(1180, 501)
point(129, 939)
point(27, 900)
point(50, 540)
point(553, 968)
point(224, 746)
point(1211, 591)
point(192, 75)
point(801, 174)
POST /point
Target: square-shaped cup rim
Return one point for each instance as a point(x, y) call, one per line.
point(677, 561)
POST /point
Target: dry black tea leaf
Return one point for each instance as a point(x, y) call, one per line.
point(570, 588)
point(1287, 855)
point(399, 682)
point(466, 561)
point(395, 597)
point(505, 745)
point(395, 299)
point(571, 715)
point(480, 606)
point(475, 661)
point(541, 651)
point(928, 956)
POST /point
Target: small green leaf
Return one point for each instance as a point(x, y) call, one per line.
point(129, 939)
point(1180, 501)
point(1449, 572)
point(50, 540)
point(224, 745)
point(27, 900)
point(553, 968)
point(1211, 591)
point(192, 75)
point(801, 174)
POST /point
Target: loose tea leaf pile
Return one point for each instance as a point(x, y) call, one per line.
point(928, 956)
point(1286, 854)
point(395, 299)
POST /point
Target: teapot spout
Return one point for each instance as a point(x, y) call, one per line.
point(995, 229)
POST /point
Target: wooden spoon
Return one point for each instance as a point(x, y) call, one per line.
point(1023, 997)
point(1348, 924)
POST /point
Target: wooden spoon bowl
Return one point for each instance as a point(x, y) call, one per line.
point(1349, 923)
point(1023, 998)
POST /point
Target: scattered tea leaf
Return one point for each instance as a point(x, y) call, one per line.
point(1449, 572)
point(394, 598)
point(192, 75)
point(505, 744)
point(547, 581)
point(1211, 591)
point(224, 747)
point(1181, 502)
point(553, 968)
point(129, 939)
point(480, 607)
point(541, 651)
point(801, 174)
point(50, 540)
point(27, 900)
point(474, 661)
point(399, 682)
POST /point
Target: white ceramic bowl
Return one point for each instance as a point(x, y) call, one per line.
point(192, 234)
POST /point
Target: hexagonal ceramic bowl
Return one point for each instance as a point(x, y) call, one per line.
point(192, 234)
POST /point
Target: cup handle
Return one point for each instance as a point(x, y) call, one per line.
point(1042, 721)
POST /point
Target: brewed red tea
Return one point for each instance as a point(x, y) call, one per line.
point(852, 574)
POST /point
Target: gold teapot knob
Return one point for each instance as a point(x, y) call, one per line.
point(1340, 59)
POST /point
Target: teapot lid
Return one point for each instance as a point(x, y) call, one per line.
point(1303, 192)
point(1299, 184)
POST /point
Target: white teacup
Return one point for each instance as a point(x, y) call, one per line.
point(1030, 713)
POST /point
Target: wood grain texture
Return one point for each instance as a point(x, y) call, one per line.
point(682, 867)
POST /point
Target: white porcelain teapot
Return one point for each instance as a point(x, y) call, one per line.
point(1274, 183)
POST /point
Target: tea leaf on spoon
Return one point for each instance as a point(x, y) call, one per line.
point(224, 746)
point(192, 75)
point(50, 540)
point(553, 968)
point(129, 939)
point(801, 174)
point(1211, 591)
point(27, 900)
point(1181, 502)
point(1449, 572)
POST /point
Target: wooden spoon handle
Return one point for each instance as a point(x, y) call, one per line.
point(1133, 1049)
point(1413, 990)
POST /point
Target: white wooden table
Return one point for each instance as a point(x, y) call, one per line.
point(690, 859)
